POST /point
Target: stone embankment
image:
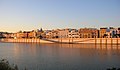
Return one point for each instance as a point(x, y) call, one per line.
point(67, 40)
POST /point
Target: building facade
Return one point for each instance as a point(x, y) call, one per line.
point(88, 33)
point(102, 32)
point(63, 33)
point(73, 33)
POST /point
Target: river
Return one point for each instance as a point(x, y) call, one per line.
point(36, 56)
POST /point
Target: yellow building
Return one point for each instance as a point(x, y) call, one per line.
point(102, 32)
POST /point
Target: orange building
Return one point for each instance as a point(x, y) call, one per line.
point(32, 34)
point(88, 33)
point(102, 32)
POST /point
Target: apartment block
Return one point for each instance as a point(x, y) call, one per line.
point(102, 32)
point(88, 33)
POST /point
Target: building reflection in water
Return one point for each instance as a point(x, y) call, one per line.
point(20, 48)
point(95, 46)
point(32, 47)
point(61, 56)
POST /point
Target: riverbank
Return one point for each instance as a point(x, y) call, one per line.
point(66, 40)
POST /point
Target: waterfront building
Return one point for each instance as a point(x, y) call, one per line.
point(48, 34)
point(114, 32)
point(20, 35)
point(108, 33)
point(52, 34)
point(11, 35)
point(6, 35)
point(1, 35)
point(32, 34)
point(63, 33)
point(102, 32)
point(119, 30)
point(73, 34)
point(40, 33)
point(27, 34)
point(118, 33)
point(88, 33)
point(55, 34)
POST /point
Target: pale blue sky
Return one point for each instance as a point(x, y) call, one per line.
point(18, 15)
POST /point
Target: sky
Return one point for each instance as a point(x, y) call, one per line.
point(16, 15)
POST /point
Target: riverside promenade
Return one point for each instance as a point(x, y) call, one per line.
point(66, 40)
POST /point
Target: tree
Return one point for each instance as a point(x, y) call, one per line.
point(4, 65)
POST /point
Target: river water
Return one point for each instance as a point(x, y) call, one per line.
point(35, 56)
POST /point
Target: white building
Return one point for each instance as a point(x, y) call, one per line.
point(73, 34)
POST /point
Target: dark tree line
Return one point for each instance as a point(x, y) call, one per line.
point(4, 65)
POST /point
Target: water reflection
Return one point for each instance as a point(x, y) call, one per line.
point(36, 56)
point(95, 46)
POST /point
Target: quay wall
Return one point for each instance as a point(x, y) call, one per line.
point(25, 41)
point(89, 40)
point(67, 40)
